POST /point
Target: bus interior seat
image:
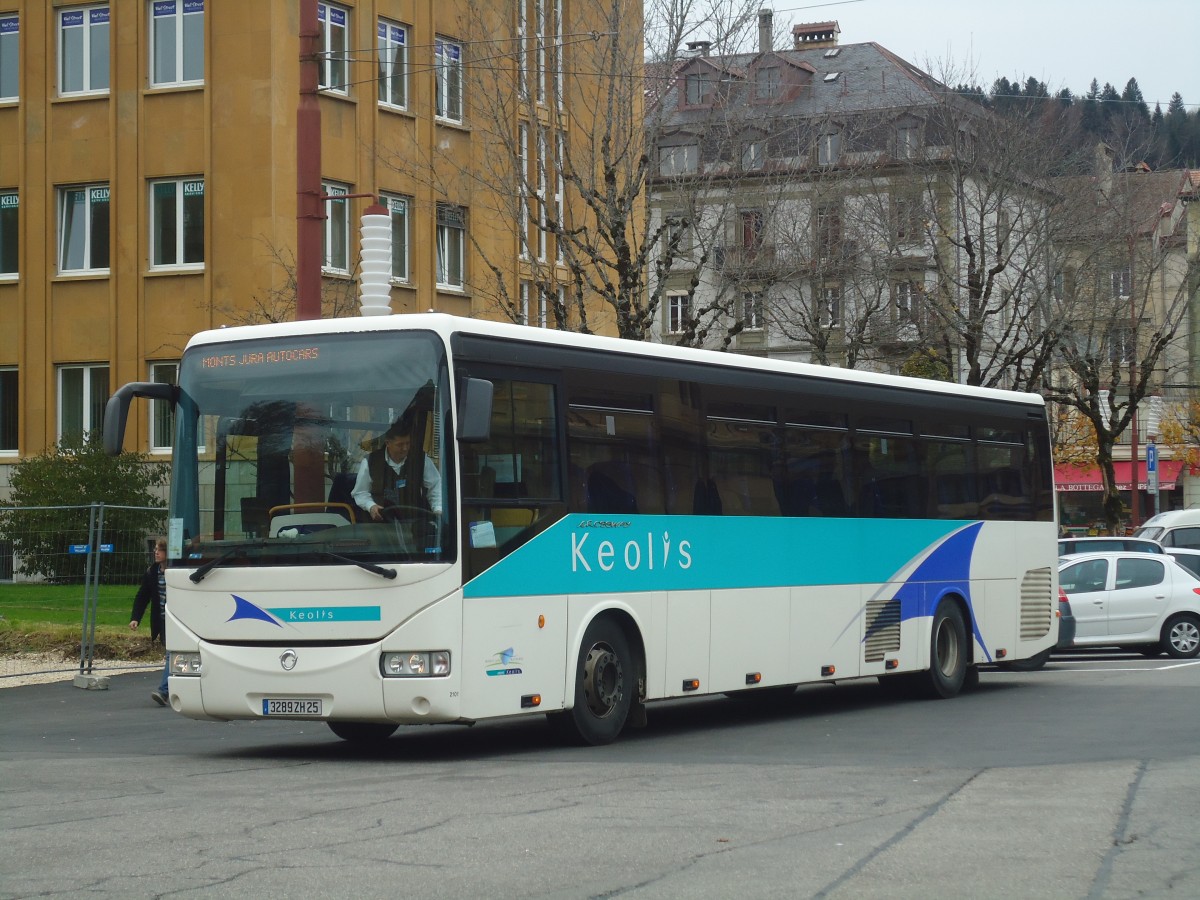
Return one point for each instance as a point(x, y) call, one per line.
point(255, 516)
point(706, 499)
point(610, 489)
point(748, 495)
point(341, 490)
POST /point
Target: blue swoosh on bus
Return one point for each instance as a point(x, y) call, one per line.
point(277, 615)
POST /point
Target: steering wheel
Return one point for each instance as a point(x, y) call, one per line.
point(399, 512)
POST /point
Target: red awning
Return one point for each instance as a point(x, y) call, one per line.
point(1072, 478)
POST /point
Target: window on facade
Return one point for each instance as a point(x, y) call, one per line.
point(753, 155)
point(451, 245)
point(682, 160)
point(393, 64)
point(9, 236)
point(699, 88)
point(829, 148)
point(678, 234)
point(337, 229)
point(829, 297)
point(766, 83)
point(523, 303)
point(162, 413)
point(333, 24)
point(558, 52)
point(177, 222)
point(83, 50)
point(83, 228)
point(752, 231)
point(10, 43)
point(679, 310)
point(176, 42)
point(82, 393)
point(906, 297)
point(908, 217)
point(828, 230)
point(559, 193)
point(398, 208)
point(9, 408)
point(539, 21)
point(1122, 344)
point(753, 310)
point(908, 141)
point(1122, 283)
point(1057, 284)
point(448, 87)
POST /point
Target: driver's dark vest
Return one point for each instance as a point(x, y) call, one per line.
point(391, 489)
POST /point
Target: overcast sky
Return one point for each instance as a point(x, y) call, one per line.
point(1065, 43)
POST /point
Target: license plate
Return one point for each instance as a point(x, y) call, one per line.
point(291, 707)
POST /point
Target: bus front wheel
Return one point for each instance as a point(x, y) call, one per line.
point(605, 679)
point(947, 652)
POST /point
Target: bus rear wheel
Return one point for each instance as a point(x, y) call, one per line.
point(605, 680)
point(363, 732)
point(948, 655)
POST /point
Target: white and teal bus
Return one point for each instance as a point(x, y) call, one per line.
point(598, 524)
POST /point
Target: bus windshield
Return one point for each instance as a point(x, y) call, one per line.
point(321, 450)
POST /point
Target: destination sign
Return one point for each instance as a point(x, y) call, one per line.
point(260, 358)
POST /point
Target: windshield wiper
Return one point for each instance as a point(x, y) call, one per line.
point(370, 567)
point(199, 574)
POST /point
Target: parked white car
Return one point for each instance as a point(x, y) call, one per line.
point(1142, 601)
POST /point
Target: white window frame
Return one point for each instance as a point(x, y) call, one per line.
point(754, 311)
point(451, 246)
point(906, 298)
point(173, 257)
point(10, 234)
point(830, 299)
point(10, 58)
point(539, 22)
point(699, 87)
point(523, 189)
point(393, 64)
point(448, 80)
point(679, 307)
point(182, 12)
point(908, 140)
point(543, 182)
point(754, 155)
point(558, 53)
point(560, 153)
point(829, 148)
point(93, 194)
point(543, 305)
point(678, 159)
point(333, 22)
point(91, 23)
point(523, 291)
point(162, 414)
point(335, 255)
point(399, 209)
point(1121, 279)
point(93, 396)
point(10, 412)
point(522, 50)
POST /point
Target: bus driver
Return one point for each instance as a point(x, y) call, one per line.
point(383, 481)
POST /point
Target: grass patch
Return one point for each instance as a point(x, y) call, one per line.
point(42, 618)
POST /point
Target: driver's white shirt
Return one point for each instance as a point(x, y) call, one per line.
point(362, 483)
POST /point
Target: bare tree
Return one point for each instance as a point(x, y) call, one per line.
point(1127, 285)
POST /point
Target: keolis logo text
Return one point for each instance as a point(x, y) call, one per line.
point(605, 555)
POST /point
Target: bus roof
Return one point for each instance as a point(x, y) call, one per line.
point(446, 325)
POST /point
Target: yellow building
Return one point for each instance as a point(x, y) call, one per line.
point(148, 177)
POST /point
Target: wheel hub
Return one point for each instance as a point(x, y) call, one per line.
point(603, 680)
point(1184, 637)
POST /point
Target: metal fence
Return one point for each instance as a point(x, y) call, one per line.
point(79, 546)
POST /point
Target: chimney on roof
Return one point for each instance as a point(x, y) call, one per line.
point(815, 35)
point(700, 48)
point(766, 28)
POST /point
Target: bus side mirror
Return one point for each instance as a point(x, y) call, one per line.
point(474, 411)
point(116, 412)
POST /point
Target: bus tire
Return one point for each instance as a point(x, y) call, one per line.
point(363, 732)
point(605, 680)
point(947, 652)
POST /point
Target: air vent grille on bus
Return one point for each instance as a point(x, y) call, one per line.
point(1037, 604)
point(883, 629)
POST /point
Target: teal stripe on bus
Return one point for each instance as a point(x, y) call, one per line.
point(584, 554)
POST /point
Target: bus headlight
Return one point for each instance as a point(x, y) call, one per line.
point(415, 664)
point(185, 664)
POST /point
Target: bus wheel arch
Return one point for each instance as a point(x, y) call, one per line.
point(950, 648)
point(607, 681)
